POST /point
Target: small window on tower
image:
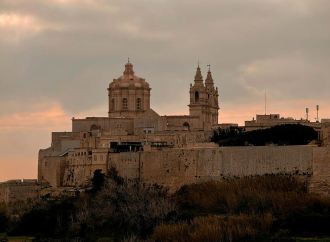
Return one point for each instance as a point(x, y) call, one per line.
point(196, 96)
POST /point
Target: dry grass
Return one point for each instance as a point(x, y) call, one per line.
point(273, 194)
point(214, 228)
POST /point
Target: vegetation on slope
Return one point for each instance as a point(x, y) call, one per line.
point(262, 208)
point(287, 134)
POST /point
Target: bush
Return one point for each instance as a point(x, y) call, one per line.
point(130, 208)
point(215, 228)
point(3, 222)
point(287, 134)
point(275, 194)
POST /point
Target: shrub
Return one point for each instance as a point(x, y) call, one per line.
point(287, 134)
point(275, 194)
point(129, 208)
point(214, 228)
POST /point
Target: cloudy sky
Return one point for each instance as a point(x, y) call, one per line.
point(57, 58)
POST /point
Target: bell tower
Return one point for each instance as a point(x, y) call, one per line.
point(197, 98)
point(204, 100)
point(211, 104)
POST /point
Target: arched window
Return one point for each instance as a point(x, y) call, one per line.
point(196, 96)
point(138, 103)
point(186, 124)
point(125, 103)
point(112, 104)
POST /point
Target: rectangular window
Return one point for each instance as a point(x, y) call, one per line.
point(125, 103)
point(101, 157)
point(149, 131)
point(95, 157)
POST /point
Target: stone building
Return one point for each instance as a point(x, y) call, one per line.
point(167, 150)
point(131, 125)
point(171, 150)
point(269, 120)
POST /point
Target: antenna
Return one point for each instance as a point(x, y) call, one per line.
point(306, 113)
point(317, 113)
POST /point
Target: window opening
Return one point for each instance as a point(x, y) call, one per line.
point(125, 103)
point(196, 96)
point(138, 103)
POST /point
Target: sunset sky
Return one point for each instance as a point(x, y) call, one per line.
point(57, 58)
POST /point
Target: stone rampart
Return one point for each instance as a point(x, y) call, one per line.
point(320, 181)
point(175, 167)
point(16, 189)
point(178, 166)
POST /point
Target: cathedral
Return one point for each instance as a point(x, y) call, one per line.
point(131, 126)
point(130, 112)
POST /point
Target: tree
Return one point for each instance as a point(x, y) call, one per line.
point(98, 180)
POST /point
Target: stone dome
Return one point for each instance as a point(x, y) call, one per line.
point(129, 79)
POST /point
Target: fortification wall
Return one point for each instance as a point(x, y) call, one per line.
point(16, 189)
point(79, 170)
point(320, 181)
point(175, 167)
point(52, 170)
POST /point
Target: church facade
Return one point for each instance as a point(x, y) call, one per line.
point(131, 126)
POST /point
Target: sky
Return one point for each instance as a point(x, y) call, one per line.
point(57, 58)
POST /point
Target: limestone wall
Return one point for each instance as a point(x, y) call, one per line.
point(78, 170)
point(58, 137)
point(16, 189)
point(175, 167)
point(52, 170)
point(128, 164)
point(84, 125)
point(320, 181)
point(178, 166)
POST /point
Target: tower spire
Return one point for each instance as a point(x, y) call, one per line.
point(209, 79)
point(198, 75)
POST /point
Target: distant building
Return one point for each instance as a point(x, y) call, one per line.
point(270, 120)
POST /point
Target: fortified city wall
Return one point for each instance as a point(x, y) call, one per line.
point(175, 167)
point(17, 189)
